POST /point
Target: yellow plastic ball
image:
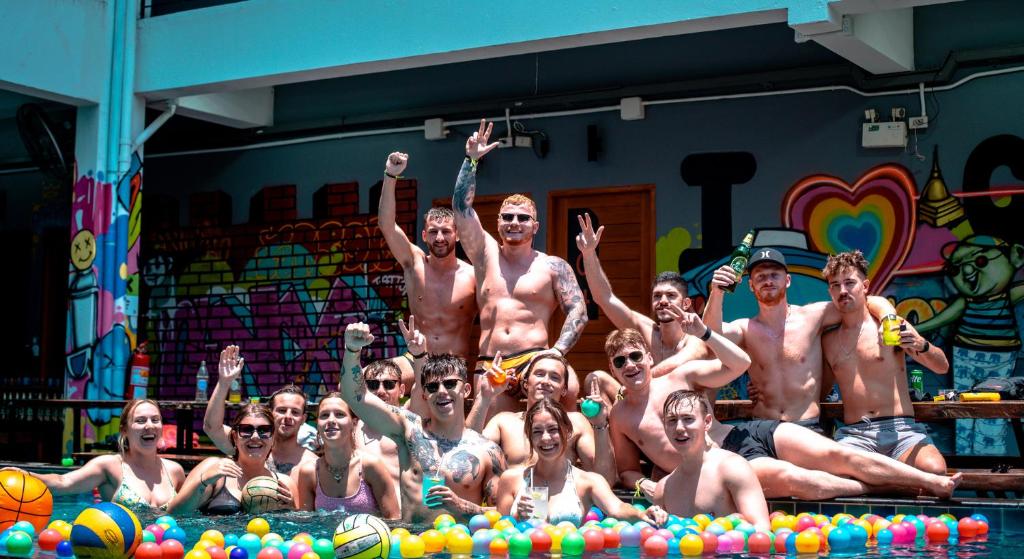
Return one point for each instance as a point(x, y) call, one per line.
point(898, 518)
point(303, 537)
point(203, 544)
point(62, 527)
point(258, 526)
point(459, 543)
point(269, 537)
point(864, 524)
point(567, 526)
point(492, 516)
point(557, 534)
point(879, 525)
point(400, 532)
point(820, 519)
point(691, 545)
point(444, 519)
point(724, 523)
point(214, 536)
point(826, 529)
point(413, 547)
point(197, 554)
point(503, 525)
point(433, 541)
point(807, 542)
point(778, 522)
point(702, 520)
point(306, 555)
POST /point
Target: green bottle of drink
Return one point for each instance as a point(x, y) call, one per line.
point(740, 257)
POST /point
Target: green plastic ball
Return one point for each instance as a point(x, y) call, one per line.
point(148, 536)
point(519, 545)
point(573, 544)
point(324, 548)
point(590, 408)
point(19, 543)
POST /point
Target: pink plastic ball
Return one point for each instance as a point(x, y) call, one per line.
point(298, 550)
point(655, 546)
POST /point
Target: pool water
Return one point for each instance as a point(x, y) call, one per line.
point(1004, 541)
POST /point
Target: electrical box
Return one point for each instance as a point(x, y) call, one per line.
point(884, 134)
point(631, 108)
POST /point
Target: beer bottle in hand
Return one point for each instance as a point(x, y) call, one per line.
point(739, 258)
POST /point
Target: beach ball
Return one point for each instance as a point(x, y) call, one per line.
point(105, 531)
point(362, 536)
point(24, 497)
point(260, 495)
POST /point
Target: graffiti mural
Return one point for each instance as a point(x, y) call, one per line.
point(283, 292)
point(950, 260)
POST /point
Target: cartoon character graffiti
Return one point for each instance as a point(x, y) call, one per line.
point(84, 298)
point(986, 340)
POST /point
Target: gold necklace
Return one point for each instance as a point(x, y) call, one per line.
point(845, 351)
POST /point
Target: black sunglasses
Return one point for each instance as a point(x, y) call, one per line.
point(635, 356)
point(375, 384)
point(979, 262)
point(449, 384)
point(521, 218)
point(263, 431)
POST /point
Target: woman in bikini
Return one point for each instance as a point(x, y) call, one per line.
point(571, 491)
point(344, 478)
point(215, 485)
point(136, 477)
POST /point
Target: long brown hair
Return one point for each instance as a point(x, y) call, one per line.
point(351, 415)
point(557, 412)
point(126, 418)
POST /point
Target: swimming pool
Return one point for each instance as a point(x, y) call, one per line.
point(1005, 540)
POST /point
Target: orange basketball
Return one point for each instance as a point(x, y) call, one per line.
point(24, 497)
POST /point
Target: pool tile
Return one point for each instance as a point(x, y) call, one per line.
point(883, 510)
point(832, 509)
point(909, 510)
point(857, 510)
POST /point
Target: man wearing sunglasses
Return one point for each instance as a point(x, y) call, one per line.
point(383, 379)
point(440, 287)
point(437, 444)
point(518, 288)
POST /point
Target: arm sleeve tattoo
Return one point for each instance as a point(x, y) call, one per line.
point(571, 298)
point(357, 375)
point(465, 189)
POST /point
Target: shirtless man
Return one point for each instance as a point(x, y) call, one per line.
point(437, 443)
point(288, 405)
point(670, 346)
point(789, 460)
point(384, 379)
point(783, 340)
point(441, 288)
point(707, 479)
point(547, 377)
point(518, 288)
point(872, 377)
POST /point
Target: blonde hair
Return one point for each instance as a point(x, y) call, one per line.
point(619, 339)
point(126, 417)
point(520, 200)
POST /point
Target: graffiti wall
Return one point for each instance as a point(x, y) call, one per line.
point(949, 254)
point(281, 288)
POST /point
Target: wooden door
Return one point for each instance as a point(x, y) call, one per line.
point(626, 252)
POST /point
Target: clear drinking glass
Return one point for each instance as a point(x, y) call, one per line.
point(539, 496)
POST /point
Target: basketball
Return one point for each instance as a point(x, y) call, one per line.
point(24, 497)
point(362, 536)
point(260, 495)
point(105, 531)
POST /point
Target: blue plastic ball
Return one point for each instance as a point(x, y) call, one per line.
point(791, 543)
point(482, 542)
point(64, 549)
point(230, 540)
point(175, 533)
point(523, 526)
point(981, 517)
point(858, 536)
point(673, 546)
point(166, 519)
point(396, 548)
point(25, 526)
point(629, 537)
point(600, 513)
point(715, 529)
point(640, 524)
point(884, 537)
point(249, 542)
point(839, 539)
point(239, 553)
point(479, 522)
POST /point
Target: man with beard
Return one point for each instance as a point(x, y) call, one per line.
point(288, 406)
point(440, 287)
point(670, 346)
point(438, 444)
point(872, 377)
point(518, 288)
point(783, 340)
point(547, 377)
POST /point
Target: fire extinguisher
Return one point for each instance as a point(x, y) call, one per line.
point(138, 381)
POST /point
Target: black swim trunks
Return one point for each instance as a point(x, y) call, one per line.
point(814, 424)
point(752, 439)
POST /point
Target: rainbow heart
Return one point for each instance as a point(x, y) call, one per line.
point(877, 214)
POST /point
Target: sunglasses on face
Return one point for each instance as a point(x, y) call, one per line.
point(521, 218)
point(263, 431)
point(979, 262)
point(375, 384)
point(449, 384)
point(635, 356)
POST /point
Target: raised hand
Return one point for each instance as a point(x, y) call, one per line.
point(496, 380)
point(587, 240)
point(357, 336)
point(690, 322)
point(724, 277)
point(396, 163)
point(415, 341)
point(476, 145)
point(910, 340)
point(230, 365)
point(600, 419)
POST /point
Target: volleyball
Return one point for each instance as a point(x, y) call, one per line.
point(362, 536)
point(24, 497)
point(105, 531)
point(260, 495)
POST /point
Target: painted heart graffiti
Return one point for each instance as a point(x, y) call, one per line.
point(876, 214)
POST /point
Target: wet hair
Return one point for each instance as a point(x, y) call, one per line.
point(673, 279)
point(619, 339)
point(838, 262)
point(126, 419)
point(441, 365)
point(288, 389)
point(334, 394)
point(520, 200)
point(382, 367)
point(338, 395)
point(694, 397)
point(561, 359)
point(250, 410)
point(439, 213)
point(557, 412)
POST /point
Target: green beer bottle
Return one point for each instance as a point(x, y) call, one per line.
point(740, 257)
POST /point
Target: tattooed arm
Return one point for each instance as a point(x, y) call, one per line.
point(385, 419)
point(472, 236)
point(567, 289)
point(493, 474)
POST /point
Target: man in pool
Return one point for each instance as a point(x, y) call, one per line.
point(547, 377)
point(707, 479)
point(384, 379)
point(872, 377)
point(437, 445)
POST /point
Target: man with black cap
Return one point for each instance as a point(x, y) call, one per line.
point(783, 340)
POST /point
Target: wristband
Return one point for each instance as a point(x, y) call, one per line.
point(390, 176)
point(418, 355)
point(350, 350)
point(706, 335)
point(927, 346)
point(602, 428)
point(637, 491)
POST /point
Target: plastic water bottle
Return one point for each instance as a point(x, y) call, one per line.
point(202, 383)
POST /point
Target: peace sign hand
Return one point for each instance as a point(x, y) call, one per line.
point(599, 419)
point(415, 341)
point(476, 145)
point(587, 240)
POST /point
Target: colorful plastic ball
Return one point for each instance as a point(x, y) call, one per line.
point(479, 522)
point(885, 537)
point(759, 543)
point(458, 543)
point(174, 533)
point(540, 541)
point(24, 526)
point(216, 552)
point(268, 553)
point(591, 516)
point(157, 531)
point(258, 526)
point(62, 526)
point(967, 527)
point(803, 523)
point(982, 527)
point(171, 548)
point(710, 540)
point(646, 532)
point(49, 538)
point(443, 519)
point(858, 536)
point(298, 550)
point(629, 537)
point(519, 545)
point(482, 542)
point(64, 549)
point(149, 550)
point(106, 530)
point(724, 544)
point(655, 546)
point(149, 537)
point(739, 539)
point(807, 542)
point(573, 544)
point(252, 545)
point(19, 543)
point(498, 546)
point(937, 531)
point(239, 553)
point(611, 538)
point(433, 541)
point(215, 536)
point(593, 540)
point(714, 528)
point(839, 539)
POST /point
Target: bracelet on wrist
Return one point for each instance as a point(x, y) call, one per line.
point(350, 350)
point(927, 346)
point(390, 176)
point(419, 355)
point(601, 428)
point(706, 335)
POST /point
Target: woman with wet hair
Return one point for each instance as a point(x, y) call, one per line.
point(571, 491)
point(344, 478)
point(215, 485)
